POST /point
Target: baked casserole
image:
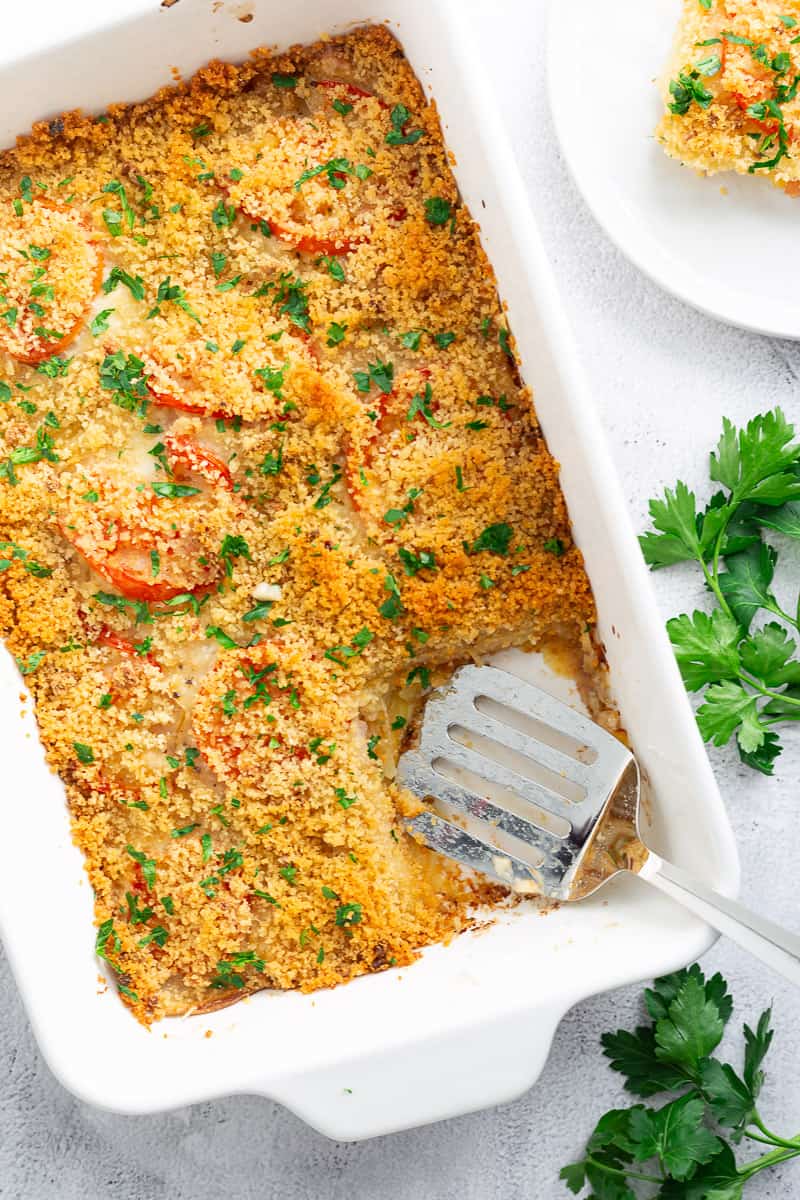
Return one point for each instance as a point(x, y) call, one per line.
point(268, 474)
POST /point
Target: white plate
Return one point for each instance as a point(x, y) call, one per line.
point(727, 244)
point(470, 1024)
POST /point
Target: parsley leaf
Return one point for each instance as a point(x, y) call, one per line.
point(752, 673)
point(400, 134)
point(677, 1151)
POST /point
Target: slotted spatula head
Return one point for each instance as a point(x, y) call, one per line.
point(517, 781)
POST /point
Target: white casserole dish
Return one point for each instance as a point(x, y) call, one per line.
point(470, 1025)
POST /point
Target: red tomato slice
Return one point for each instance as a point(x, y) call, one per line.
point(308, 243)
point(116, 641)
point(134, 584)
point(128, 563)
point(59, 255)
point(352, 89)
point(186, 457)
point(176, 400)
point(239, 692)
point(392, 410)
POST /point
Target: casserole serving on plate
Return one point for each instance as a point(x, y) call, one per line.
point(469, 1024)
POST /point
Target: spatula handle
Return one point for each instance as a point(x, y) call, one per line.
point(774, 946)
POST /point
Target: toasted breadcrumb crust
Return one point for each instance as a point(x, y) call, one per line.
point(237, 553)
point(725, 136)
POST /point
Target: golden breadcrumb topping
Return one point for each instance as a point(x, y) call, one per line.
point(267, 474)
point(731, 89)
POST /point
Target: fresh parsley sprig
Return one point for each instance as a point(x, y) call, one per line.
point(683, 1149)
point(750, 672)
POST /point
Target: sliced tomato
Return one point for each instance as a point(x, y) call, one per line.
point(116, 641)
point(308, 243)
point(186, 457)
point(244, 699)
point(176, 399)
point(51, 266)
point(315, 219)
point(352, 89)
point(128, 562)
point(392, 409)
point(134, 582)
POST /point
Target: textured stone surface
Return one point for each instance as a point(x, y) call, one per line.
point(663, 377)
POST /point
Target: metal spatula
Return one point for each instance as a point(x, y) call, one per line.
point(523, 788)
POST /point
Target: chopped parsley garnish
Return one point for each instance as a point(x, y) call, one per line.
point(99, 323)
point(336, 333)
point(272, 464)
point(229, 971)
point(223, 214)
point(412, 339)
point(399, 135)
point(343, 798)
point(392, 607)
point(422, 404)
point(554, 546)
point(123, 376)
point(174, 491)
point(32, 663)
point(287, 82)
point(54, 368)
point(169, 292)
point(348, 914)
point(113, 220)
point(184, 830)
point(342, 654)
point(336, 169)
point(379, 373)
point(261, 610)
point(43, 449)
point(412, 563)
point(687, 90)
point(233, 546)
point(10, 552)
point(104, 932)
point(148, 866)
point(438, 211)
point(85, 753)
point(421, 675)
point(227, 642)
point(290, 299)
point(272, 378)
point(134, 284)
point(397, 516)
point(333, 266)
point(495, 539)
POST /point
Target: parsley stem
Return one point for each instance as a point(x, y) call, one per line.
point(712, 577)
point(787, 1143)
point(765, 691)
point(778, 611)
point(625, 1174)
point(768, 1160)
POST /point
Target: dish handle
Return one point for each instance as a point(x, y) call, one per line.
point(456, 1072)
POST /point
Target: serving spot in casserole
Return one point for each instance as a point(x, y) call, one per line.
point(267, 474)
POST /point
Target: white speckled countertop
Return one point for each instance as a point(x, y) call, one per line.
point(663, 377)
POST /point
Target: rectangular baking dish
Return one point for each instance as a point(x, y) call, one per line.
point(471, 1024)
